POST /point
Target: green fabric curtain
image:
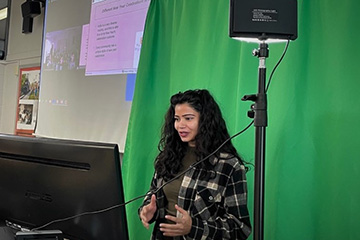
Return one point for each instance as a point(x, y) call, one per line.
point(312, 152)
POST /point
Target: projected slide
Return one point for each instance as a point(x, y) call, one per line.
point(115, 35)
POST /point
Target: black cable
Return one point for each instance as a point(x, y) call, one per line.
point(277, 64)
point(87, 213)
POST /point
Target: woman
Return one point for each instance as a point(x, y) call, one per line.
point(209, 201)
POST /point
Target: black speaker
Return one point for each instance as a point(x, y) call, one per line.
point(2, 54)
point(27, 25)
point(30, 9)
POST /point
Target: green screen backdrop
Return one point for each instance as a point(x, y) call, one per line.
point(312, 140)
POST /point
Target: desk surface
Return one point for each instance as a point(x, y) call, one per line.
point(6, 233)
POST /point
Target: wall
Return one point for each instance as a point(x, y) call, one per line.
point(9, 94)
point(2, 67)
point(24, 50)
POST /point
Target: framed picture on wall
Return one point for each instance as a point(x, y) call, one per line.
point(28, 99)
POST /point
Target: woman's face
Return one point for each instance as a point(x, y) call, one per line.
point(186, 123)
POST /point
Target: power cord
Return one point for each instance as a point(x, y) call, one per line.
point(277, 64)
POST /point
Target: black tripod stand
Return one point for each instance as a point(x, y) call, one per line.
point(259, 113)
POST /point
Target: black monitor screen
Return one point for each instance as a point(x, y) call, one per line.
point(5, 6)
point(263, 19)
point(42, 180)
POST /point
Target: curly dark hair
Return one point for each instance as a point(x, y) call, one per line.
point(212, 132)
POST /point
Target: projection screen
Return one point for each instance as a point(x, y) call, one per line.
point(91, 50)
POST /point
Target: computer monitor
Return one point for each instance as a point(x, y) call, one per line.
point(42, 180)
point(263, 19)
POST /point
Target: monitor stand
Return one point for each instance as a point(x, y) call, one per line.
point(40, 235)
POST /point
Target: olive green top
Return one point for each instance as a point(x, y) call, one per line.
point(172, 189)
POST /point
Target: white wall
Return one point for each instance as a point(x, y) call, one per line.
point(2, 69)
point(9, 95)
point(24, 50)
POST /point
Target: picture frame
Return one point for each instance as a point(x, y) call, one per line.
point(28, 100)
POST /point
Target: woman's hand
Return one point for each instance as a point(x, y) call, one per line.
point(181, 227)
point(148, 211)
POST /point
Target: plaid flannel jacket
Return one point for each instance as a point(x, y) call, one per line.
point(217, 206)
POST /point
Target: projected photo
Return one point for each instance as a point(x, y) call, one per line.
point(61, 50)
